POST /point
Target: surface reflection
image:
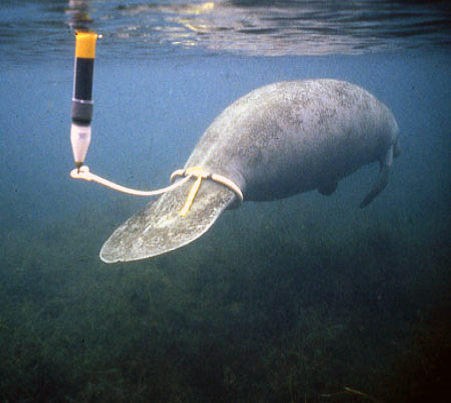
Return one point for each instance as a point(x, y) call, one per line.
point(78, 14)
point(277, 28)
point(263, 28)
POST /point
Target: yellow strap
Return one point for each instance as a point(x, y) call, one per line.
point(191, 195)
point(201, 174)
point(193, 171)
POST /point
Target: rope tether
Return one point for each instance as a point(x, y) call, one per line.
point(84, 173)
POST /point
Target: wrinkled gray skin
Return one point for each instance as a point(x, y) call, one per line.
point(296, 136)
point(279, 140)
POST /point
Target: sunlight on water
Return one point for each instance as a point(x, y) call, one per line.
point(276, 28)
point(263, 28)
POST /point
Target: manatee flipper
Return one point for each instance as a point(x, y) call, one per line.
point(328, 188)
point(159, 228)
point(382, 178)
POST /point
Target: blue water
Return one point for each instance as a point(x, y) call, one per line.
point(281, 299)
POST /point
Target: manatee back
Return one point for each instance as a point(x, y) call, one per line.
point(295, 136)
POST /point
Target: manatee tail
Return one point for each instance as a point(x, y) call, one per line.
point(159, 228)
point(382, 178)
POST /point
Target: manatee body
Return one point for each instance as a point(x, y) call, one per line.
point(277, 141)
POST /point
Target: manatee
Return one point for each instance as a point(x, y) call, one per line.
point(277, 141)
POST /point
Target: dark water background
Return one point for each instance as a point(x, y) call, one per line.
point(288, 301)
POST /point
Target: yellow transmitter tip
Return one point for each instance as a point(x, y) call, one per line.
point(85, 44)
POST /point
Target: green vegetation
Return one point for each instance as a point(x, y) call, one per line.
point(292, 311)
